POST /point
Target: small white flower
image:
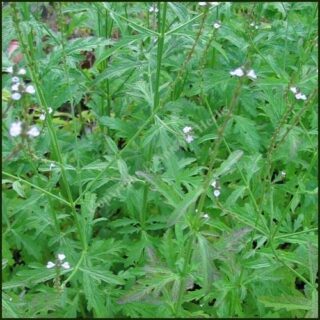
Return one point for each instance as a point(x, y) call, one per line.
point(15, 79)
point(216, 193)
point(15, 87)
point(50, 265)
point(217, 25)
point(22, 71)
point(202, 3)
point(42, 117)
point(15, 129)
point(33, 132)
point(256, 27)
point(300, 96)
point(252, 24)
point(294, 90)
point(50, 110)
point(214, 4)
point(189, 138)
point(9, 69)
point(154, 9)
point(237, 72)
point(283, 173)
point(61, 256)
point(206, 216)
point(214, 183)
point(16, 96)
point(187, 129)
point(251, 74)
point(66, 265)
point(52, 165)
point(30, 89)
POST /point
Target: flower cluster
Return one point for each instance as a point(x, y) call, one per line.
point(214, 4)
point(254, 25)
point(240, 72)
point(18, 128)
point(59, 262)
point(153, 9)
point(216, 188)
point(42, 116)
point(188, 134)
point(298, 94)
point(18, 86)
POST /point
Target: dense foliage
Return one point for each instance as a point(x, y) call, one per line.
point(159, 159)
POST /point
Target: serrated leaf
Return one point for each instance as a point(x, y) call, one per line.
point(182, 207)
point(286, 302)
point(123, 128)
point(93, 295)
point(227, 165)
point(166, 190)
point(124, 42)
point(112, 145)
point(30, 277)
point(205, 266)
point(17, 187)
point(101, 274)
point(248, 134)
point(123, 169)
point(88, 209)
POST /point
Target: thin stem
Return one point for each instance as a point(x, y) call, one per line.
point(217, 145)
point(162, 26)
point(36, 187)
point(206, 184)
point(41, 98)
point(66, 71)
point(76, 268)
point(182, 70)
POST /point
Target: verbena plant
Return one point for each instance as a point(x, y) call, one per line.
point(159, 159)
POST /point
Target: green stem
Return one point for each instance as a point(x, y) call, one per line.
point(184, 276)
point(207, 181)
point(36, 187)
point(66, 71)
point(217, 145)
point(162, 25)
point(185, 63)
point(53, 137)
point(76, 268)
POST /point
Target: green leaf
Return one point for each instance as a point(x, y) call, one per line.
point(9, 310)
point(227, 165)
point(249, 137)
point(31, 277)
point(172, 31)
point(89, 206)
point(94, 296)
point(286, 302)
point(100, 274)
point(136, 26)
point(205, 265)
point(182, 207)
point(166, 190)
point(112, 145)
point(124, 42)
point(78, 45)
point(123, 169)
point(124, 128)
point(17, 187)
